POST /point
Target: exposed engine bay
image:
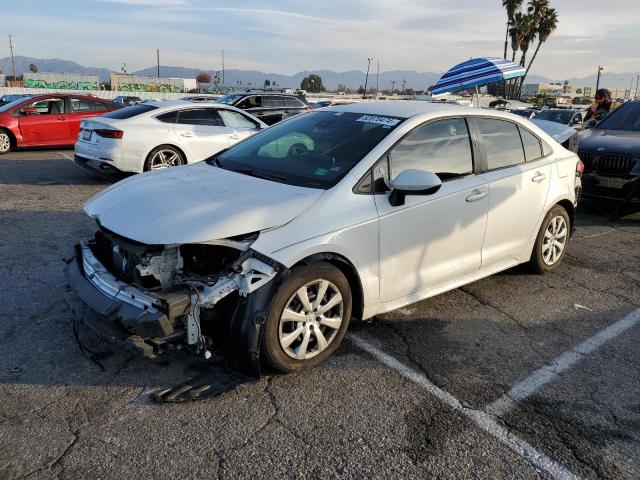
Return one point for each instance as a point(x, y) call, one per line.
point(168, 295)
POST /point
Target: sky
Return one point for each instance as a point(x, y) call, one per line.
point(285, 36)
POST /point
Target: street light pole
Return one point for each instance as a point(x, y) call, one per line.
point(637, 80)
point(366, 79)
point(598, 80)
point(393, 85)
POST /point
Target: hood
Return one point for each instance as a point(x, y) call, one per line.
point(618, 141)
point(196, 203)
point(559, 132)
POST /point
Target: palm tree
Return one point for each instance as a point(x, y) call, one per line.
point(548, 23)
point(512, 7)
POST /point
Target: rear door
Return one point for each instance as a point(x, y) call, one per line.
point(240, 126)
point(79, 108)
point(201, 132)
point(47, 125)
point(518, 177)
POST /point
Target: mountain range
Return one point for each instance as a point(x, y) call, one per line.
point(330, 78)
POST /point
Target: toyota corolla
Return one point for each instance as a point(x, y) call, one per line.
point(274, 245)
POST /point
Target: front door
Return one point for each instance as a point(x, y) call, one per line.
point(431, 239)
point(201, 132)
point(518, 176)
point(45, 124)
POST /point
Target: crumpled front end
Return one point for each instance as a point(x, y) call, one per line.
point(152, 298)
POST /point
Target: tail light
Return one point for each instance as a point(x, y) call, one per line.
point(307, 109)
point(105, 133)
point(579, 168)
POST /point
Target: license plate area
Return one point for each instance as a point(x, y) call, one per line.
point(86, 135)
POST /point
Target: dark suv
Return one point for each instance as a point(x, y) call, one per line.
point(268, 107)
point(610, 152)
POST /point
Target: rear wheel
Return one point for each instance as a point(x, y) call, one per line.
point(5, 142)
point(309, 317)
point(164, 156)
point(552, 241)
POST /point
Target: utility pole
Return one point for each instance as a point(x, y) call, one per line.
point(223, 66)
point(404, 82)
point(598, 80)
point(366, 79)
point(13, 63)
point(393, 86)
point(637, 80)
point(377, 78)
point(158, 60)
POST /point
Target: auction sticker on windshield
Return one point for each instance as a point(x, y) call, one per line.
point(380, 120)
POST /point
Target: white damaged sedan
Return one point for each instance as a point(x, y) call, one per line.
point(274, 245)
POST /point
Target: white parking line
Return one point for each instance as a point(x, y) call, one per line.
point(548, 373)
point(485, 421)
point(66, 155)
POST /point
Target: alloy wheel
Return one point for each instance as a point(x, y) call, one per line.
point(555, 240)
point(5, 143)
point(164, 159)
point(311, 319)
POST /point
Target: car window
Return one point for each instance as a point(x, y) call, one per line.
point(625, 117)
point(250, 102)
point(49, 106)
point(129, 112)
point(272, 101)
point(230, 99)
point(501, 142)
point(293, 102)
point(200, 116)
point(313, 150)
point(79, 105)
point(531, 144)
point(236, 120)
point(169, 117)
point(441, 147)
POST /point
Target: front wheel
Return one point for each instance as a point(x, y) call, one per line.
point(308, 318)
point(552, 241)
point(5, 142)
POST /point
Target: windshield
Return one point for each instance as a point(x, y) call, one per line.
point(315, 149)
point(230, 99)
point(625, 117)
point(10, 105)
point(558, 116)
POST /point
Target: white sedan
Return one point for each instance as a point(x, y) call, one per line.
point(157, 135)
point(275, 244)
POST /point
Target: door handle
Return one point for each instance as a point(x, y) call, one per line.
point(63, 118)
point(186, 134)
point(538, 177)
point(475, 196)
point(235, 137)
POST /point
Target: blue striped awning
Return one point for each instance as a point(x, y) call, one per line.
point(475, 72)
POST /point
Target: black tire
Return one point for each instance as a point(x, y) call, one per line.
point(6, 142)
point(272, 348)
point(539, 261)
point(170, 150)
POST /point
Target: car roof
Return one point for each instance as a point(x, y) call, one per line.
point(168, 105)
point(411, 108)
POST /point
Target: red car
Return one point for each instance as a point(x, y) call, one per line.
point(47, 120)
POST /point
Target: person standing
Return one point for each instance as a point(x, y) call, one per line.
point(601, 107)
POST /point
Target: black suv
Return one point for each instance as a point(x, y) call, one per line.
point(610, 152)
point(268, 107)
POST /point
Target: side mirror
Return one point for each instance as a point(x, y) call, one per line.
point(29, 111)
point(413, 182)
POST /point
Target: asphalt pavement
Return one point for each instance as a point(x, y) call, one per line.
point(516, 376)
